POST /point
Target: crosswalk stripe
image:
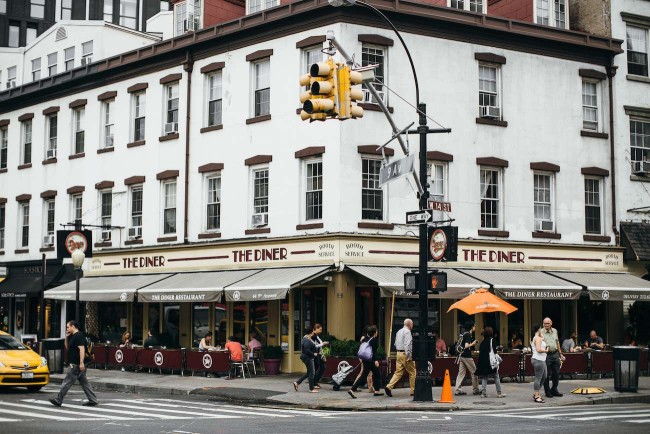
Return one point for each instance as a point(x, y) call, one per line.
point(218, 408)
point(612, 416)
point(639, 421)
point(60, 410)
point(202, 415)
point(10, 420)
point(38, 415)
point(140, 416)
point(283, 410)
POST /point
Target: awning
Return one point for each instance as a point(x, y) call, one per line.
point(192, 287)
point(21, 285)
point(272, 283)
point(610, 286)
point(105, 288)
point(391, 280)
point(526, 284)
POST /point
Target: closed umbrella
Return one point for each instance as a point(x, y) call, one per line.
point(482, 301)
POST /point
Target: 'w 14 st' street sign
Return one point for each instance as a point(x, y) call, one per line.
point(396, 169)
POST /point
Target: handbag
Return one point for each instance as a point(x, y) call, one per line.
point(495, 359)
point(365, 351)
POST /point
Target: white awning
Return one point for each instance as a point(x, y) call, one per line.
point(391, 280)
point(526, 284)
point(192, 287)
point(272, 283)
point(610, 286)
point(105, 288)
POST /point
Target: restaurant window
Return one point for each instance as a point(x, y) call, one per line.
point(493, 319)
point(562, 315)
point(310, 307)
point(258, 317)
point(220, 324)
point(154, 318)
point(170, 336)
point(410, 308)
point(239, 321)
point(112, 318)
point(368, 310)
point(137, 311)
point(200, 322)
point(53, 318)
point(516, 325)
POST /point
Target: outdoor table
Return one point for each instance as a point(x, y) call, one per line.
point(160, 359)
point(121, 357)
point(207, 361)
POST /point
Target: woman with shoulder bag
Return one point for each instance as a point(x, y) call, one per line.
point(484, 367)
point(308, 354)
point(368, 356)
point(538, 360)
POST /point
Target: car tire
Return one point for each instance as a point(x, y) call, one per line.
point(33, 389)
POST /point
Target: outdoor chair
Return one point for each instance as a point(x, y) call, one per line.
point(237, 366)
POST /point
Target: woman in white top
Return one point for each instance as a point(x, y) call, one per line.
point(539, 362)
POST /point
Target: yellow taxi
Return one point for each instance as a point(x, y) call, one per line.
point(20, 366)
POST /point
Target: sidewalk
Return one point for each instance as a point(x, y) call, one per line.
point(278, 390)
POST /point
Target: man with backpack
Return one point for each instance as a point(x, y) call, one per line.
point(76, 352)
point(465, 361)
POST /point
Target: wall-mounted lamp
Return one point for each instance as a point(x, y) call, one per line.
point(327, 278)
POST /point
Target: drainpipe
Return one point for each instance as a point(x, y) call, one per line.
point(188, 66)
point(611, 72)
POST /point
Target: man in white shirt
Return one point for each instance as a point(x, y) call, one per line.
point(404, 347)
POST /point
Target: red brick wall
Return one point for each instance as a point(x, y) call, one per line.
point(434, 2)
point(512, 9)
point(219, 11)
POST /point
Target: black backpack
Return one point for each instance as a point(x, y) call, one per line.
point(89, 351)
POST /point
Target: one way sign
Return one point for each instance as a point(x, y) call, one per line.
point(416, 217)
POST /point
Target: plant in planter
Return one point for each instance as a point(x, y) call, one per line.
point(272, 358)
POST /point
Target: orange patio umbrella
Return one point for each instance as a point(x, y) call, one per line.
point(482, 301)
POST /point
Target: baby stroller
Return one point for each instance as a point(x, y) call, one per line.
point(344, 370)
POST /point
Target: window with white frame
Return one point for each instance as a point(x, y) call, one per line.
point(37, 9)
point(66, 9)
point(214, 108)
point(4, 140)
point(87, 52)
point(23, 224)
point(31, 33)
point(468, 5)
point(171, 109)
point(590, 105)
point(593, 206)
point(129, 14)
point(640, 145)
point(375, 55)
point(187, 16)
point(491, 198)
point(52, 59)
point(543, 199)
point(36, 69)
point(11, 77)
point(26, 142)
point(48, 232)
point(560, 14)
point(488, 91)
point(106, 208)
point(262, 87)
point(260, 196)
point(135, 223)
point(213, 202)
point(637, 51)
point(437, 179)
point(68, 58)
point(107, 124)
point(372, 195)
point(78, 128)
point(76, 207)
point(169, 207)
point(551, 13)
point(138, 110)
point(313, 170)
point(310, 55)
point(2, 226)
point(108, 11)
point(52, 135)
point(258, 5)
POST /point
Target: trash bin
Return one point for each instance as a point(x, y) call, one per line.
point(626, 369)
point(52, 350)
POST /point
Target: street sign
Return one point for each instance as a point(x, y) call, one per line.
point(396, 169)
point(439, 206)
point(417, 217)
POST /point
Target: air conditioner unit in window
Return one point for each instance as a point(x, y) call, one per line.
point(108, 143)
point(48, 240)
point(261, 219)
point(171, 127)
point(51, 153)
point(490, 112)
point(641, 168)
point(135, 232)
point(544, 225)
point(86, 61)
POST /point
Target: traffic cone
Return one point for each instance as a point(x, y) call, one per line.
point(446, 397)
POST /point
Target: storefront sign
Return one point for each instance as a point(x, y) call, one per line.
point(144, 262)
point(619, 295)
point(539, 294)
point(260, 255)
point(494, 256)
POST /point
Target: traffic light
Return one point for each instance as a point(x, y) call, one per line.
point(320, 102)
point(436, 282)
point(347, 94)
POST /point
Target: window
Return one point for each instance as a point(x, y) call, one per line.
point(593, 206)
point(171, 109)
point(107, 131)
point(2, 227)
point(437, 179)
point(551, 13)
point(108, 10)
point(313, 190)
point(543, 192)
point(180, 11)
point(310, 56)
point(258, 5)
point(213, 203)
point(52, 133)
point(169, 207)
point(3, 6)
point(11, 77)
point(106, 205)
point(37, 9)
point(36, 69)
point(14, 34)
point(214, 99)
point(372, 195)
point(637, 51)
point(589, 105)
point(79, 133)
point(488, 91)
point(68, 55)
point(30, 34)
point(23, 230)
point(129, 13)
point(468, 5)
point(135, 224)
point(76, 203)
point(49, 222)
point(3, 147)
point(51, 64)
point(27, 142)
point(260, 196)
point(87, 52)
point(187, 16)
point(139, 106)
point(375, 55)
point(543, 12)
point(66, 9)
point(490, 198)
point(262, 87)
point(640, 144)
point(560, 14)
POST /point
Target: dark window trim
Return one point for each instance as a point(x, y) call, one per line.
point(51, 110)
point(439, 156)
point(592, 73)
point(491, 161)
point(641, 112)
point(376, 39)
point(594, 134)
point(372, 150)
point(23, 198)
point(636, 20)
point(48, 194)
point(211, 167)
point(133, 144)
point(495, 122)
point(311, 151)
point(108, 95)
point(594, 171)
point(213, 67)
point(547, 235)
point(49, 161)
point(258, 119)
point(104, 185)
point(544, 166)
point(490, 57)
point(134, 180)
point(171, 78)
point(310, 41)
point(257, 231)
point(209, 235)
point(597, 238)
point(211, 128)
point(105, 150)
point(493, 233)
point(258, 55)
point(133, 242)
point(75, 156)
point(371, 107)
point(76, 189)
point(167, 174)
point(375, 225)
point(137, 87)
point(25, 117)
point(167, 239)
point(78, 103)
point(168, 137)
point(258, 159)
point(4, 122)
point(307, 226)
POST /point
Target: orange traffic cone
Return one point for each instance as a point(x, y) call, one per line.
point(446, 397)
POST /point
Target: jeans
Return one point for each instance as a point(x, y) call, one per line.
point(466, 364)
point(309, 364)
point(376, 376)
point(74, 373)
point(319, 367)
point(553, 373)
point(540, 373)
point(497, 383)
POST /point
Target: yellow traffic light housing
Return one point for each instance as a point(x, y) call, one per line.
point(320, 102)
point(347, 94)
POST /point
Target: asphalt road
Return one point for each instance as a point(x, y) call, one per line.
point(23, 412)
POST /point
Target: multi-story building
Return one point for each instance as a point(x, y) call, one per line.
point(218, 207)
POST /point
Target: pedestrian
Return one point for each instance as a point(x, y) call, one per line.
point(319, 360)
point(538, 359)
point(553, 358)
point(404, 347)
point(465, 361)
point(371, 365)
point(307, 355)
point(151, 340)
point(484, 368)
point(77, 371)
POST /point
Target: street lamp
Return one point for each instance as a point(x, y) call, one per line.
point(78, 257)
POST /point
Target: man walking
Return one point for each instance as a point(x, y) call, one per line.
point(404, 347)
point(465, 361)
point(553, 358)
point(77, 370)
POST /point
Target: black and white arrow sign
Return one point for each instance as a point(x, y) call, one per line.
point(416, 217)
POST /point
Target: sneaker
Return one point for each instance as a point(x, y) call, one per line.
point(54, 402)
point(388, 392)
point(476, 392)
point(460, 393)
point(501, 395)
point(484, 394)
point(351, 393)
